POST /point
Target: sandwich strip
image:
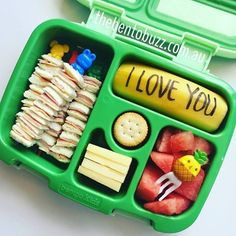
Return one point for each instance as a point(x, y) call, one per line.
point(37, 80)
point(79, 111)
point(91, 84)
point(75, 76)
point(43, 74)
point(27, 102)
point(24, 121)
point(59, 157)
point(66, 90)
point(86, 98)
point(49, 60)
point(21, 136)
point(67, 152)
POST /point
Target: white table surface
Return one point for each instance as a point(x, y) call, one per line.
point(28, 207)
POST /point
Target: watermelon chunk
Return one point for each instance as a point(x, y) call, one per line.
point(190, 189)
point(203, 145)
point(172, 205)
point(181, 154)
point(163, 142)
point(147, 189)
point(182, 142)
point(163, 160)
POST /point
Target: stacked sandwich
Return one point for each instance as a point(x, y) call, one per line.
point(78, 113)
point(54, 85)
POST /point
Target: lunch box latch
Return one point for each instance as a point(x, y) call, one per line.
point(196, 52)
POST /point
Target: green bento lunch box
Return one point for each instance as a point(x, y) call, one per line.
point(119, 32)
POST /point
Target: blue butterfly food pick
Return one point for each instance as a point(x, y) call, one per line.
point(84, 61)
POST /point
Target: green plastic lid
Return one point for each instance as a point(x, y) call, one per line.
point(181, 26)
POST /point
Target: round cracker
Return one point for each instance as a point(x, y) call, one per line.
point(130, 129)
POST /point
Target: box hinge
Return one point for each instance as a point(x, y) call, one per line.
point(196, 52)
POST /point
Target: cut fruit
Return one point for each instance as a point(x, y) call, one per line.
point(147, 189)
point(171, 145)
point(172, 205)
point(163, 160)
point(191, 189)
point(182, 142)
point(163, 142)
point(203, 145)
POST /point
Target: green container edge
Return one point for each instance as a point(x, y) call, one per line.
point(163, 222)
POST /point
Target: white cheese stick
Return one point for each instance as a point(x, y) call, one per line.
point(105, 162)
point(110, 155)
point(103, 170)
point(110, 183)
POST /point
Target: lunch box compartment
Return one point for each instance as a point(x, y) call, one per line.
point(98, 138)
point(208, 82)
point(37, 45)
point(206, 168)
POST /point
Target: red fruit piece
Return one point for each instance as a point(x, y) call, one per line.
point(163, 160)
point(190, 189)
point(203, 145)
point(181, 154)
point(182, 142)
point(172, 205)
point(163, 142)
point(147, 189)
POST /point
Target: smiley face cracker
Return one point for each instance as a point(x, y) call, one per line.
point(130, 129)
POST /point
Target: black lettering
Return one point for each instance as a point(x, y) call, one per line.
point(161, 90)
point(201, 101)
point(191, 95)
point(128, 79)
point(148, 91)
point(211, 113)
point(139, 82)
point(172, 87)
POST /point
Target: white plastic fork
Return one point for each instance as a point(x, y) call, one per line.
point(171, 180)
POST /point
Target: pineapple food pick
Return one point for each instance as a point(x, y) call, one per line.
point(186, 168)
